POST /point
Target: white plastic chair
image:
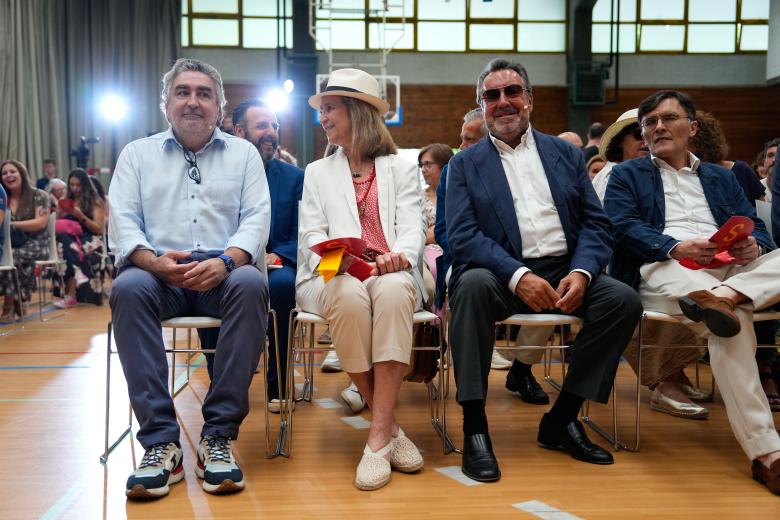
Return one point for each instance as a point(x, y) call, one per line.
point(7, 264)
point(51, 264)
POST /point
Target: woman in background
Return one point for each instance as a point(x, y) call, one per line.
point(80, 226)
point(29, 209)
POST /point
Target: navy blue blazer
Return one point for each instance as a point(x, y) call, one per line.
point(443, 261)
point(285, 182)
point(775, 187)
point(635, 203)
point(482, 224)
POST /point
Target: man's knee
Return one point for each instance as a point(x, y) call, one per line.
point(473, 284)
point(131, 284)
point(247, 281)
point(624, 298)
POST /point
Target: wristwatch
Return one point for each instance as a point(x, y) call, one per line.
point(228, 261)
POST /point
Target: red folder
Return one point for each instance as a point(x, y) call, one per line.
point(353, 247)
point(735, 229)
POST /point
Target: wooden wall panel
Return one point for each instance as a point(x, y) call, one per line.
point(433, 113)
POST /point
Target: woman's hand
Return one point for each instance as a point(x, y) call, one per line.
point(390, 263)
point(80, 216)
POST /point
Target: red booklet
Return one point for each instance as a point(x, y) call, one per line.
point(735, 229)
point(66, 205)
point(353, 247)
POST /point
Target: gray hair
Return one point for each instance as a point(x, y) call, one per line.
point(193, 65)
point(473, 115)
point(502, 64)
point(56, 181)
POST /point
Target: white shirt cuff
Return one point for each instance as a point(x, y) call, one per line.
point(516, 278)
point(583, 271)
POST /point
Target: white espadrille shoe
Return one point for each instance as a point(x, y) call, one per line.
point(405, 456)
point(373, 472)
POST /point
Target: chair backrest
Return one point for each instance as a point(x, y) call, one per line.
point(8, 254)
point(51, 229)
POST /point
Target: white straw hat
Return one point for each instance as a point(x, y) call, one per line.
point(627, 118)
point(352, 83)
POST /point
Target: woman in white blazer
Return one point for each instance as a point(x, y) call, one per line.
point(365, 190)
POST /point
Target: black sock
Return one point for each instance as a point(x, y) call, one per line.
point(474, 418)
point(565, 408)
point(520, 369)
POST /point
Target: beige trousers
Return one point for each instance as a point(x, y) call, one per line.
point(370, 321)
point(732, 360)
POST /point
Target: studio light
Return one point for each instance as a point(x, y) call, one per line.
point(277, 99)
point(113, 108)
point(288, 86)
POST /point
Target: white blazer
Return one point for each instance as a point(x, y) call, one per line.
point(329, 209)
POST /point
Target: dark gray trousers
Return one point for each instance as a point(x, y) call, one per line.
point(610, 312)
point(140, 301)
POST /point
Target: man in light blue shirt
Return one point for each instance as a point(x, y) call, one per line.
point(190, 213)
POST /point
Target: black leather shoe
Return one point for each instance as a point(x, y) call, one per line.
point(529, 389)
point(479, 462)
point(571, 438)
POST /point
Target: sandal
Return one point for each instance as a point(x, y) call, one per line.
point(373, 472)
point(405, 456)
point(771, 396)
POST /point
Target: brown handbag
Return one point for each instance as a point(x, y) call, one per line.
point(423, 364)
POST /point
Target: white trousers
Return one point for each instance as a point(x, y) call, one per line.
point(733, 359)
point(370, 321)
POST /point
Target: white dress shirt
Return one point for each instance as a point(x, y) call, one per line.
point(156, 206)
point(688, 214)
point(540, 225)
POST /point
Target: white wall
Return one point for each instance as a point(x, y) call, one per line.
point(641, 70)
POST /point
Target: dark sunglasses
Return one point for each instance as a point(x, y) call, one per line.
point(637, 133)
point(193, 172)
point(492, 95)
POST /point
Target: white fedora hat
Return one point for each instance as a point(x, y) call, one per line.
point(352, 83)
point(627, 118)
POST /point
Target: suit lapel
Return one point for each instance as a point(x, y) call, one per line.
point(493, 178)
point(272, 176)
point(550, 158)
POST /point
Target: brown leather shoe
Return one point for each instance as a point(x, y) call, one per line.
point(770, 477)
point(717, 313)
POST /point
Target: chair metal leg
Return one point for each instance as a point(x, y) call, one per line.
point(439, 409)
point(106, 448)
point(269, 454)
point(42, 291)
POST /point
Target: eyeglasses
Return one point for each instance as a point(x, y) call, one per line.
point(426, 164)
point(650, 122)
point(193, 172)
point(492, 95)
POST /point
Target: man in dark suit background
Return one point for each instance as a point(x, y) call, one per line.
point(254, 121)
point(528, 234)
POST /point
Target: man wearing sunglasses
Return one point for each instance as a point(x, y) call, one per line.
point(528, 235)
point(665, 207)
point(190, 214)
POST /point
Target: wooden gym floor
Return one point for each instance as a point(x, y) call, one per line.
point(52, 383)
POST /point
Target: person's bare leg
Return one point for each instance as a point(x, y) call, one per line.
point(670, 387)
point(70, 288)
point(388, 376)
point(365, 384)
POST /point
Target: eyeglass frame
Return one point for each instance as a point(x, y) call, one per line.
point(651, 122)
point(506, 94)
point(427, 164)
point(193, 172)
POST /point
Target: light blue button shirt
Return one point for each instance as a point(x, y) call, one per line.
point(156, 206)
